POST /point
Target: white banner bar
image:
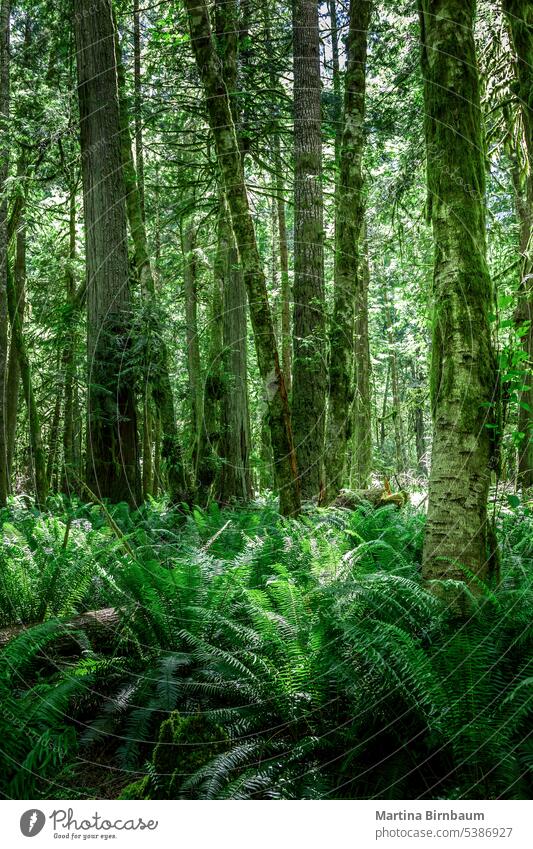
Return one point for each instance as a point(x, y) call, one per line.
point(267, 825)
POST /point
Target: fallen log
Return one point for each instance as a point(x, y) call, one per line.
point(99, 626)
point(377, 496)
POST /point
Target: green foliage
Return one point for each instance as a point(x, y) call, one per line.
point(269, 658)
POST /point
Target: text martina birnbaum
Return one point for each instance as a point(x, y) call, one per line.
point(430, 815)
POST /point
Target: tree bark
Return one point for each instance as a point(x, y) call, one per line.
point(112, 440)
point(463, 366)
point(349, 289)
point(234, 479)
point(309, 375)
point(519, 15)
point(231, 169)
point(5, 8)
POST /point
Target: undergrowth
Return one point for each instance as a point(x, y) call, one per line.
point(257, 657)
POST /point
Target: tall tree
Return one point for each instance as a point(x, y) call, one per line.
point(350, 288)
point(232, 172)
point(13, 368)
point(112, 441)
point(463, 367)
point(234, 447)
point(519, 15)
point(234, 478)
point(309, 318)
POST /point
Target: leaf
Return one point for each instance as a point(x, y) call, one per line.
point(513, 501)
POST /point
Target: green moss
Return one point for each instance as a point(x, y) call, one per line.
point(185, 745)
point(137, 790)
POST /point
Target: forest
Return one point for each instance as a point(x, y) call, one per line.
point(266, 399)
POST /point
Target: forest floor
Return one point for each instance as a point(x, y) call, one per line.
point(258, 657)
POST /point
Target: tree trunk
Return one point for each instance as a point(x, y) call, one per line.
point(137, 82)
point(397, 415)
point(207, 460)
point(191, 334)
point(234, 479)
point(231, 169)
point(53, 438)
point(112, 441)
point(286, 358)
point(34, 424)
point(463, 366)
point(419, 423)
point(362, 413)
point(70, 471)
point(13, 370)
point(281, 218)
point(337, 97)
point(349, 290)
point(384, 409)
point(519, 15)
point(4, 173)
point(309, 374)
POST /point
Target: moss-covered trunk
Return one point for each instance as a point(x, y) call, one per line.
point(309, 370)
point(232, 174)
point(349, 284)
point(234, 480)
point(463, 367)
point(112, 441)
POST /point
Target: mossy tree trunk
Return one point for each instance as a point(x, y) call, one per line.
point(519, 15)
point(349, 289)
point(112, 441)
point(234, 480)
point(463, 367)
point(309, 369)
point(232, 173)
